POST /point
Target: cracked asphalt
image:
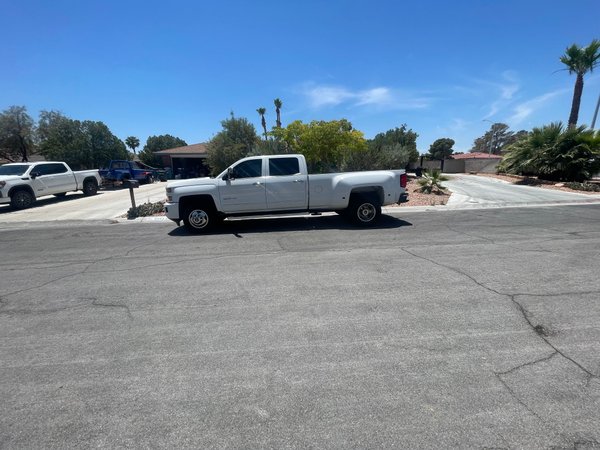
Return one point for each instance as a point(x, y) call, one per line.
point(441, 329)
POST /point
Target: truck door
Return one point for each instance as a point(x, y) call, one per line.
point(245, 191)
point(53, 178)
point(286, 187)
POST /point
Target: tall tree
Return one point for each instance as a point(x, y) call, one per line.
point(441, 148)
point(83, 145)
point(16, 134)
point(393, 149)
point(236, 140)
point(496, 139)
point(325, 144)
point(132, 142)
point(261, 112)
point(579, 61)
point(157, 143)
point(278, 104)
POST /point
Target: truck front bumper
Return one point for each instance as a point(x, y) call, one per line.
point(172, 211)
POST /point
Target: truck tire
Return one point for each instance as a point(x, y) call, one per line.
point(364, 210)
point(199, 218)
point(21, 199)
point(90, 187)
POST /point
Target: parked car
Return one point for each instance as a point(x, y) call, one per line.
point(22, 183)
point(281, 184)
point(122, 170)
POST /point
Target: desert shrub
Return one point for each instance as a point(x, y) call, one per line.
point(145, 209)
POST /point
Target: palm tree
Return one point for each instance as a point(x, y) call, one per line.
point(580, 60)
point(132, 142)
point(432, 182)
point(278, 104)
point(261, 112)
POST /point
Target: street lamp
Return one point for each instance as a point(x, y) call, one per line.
point(493, 135)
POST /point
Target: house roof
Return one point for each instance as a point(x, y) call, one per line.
point(194, 149)
point(476, 155)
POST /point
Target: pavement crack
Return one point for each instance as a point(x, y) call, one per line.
point(538, 329)
point(96, 302)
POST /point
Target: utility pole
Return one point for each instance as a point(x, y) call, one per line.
point(596, 113)
point(492, 137)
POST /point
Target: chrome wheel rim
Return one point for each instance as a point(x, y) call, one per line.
point(198, 218)
point(366, 212)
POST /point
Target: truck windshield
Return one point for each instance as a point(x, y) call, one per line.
point(17, 169)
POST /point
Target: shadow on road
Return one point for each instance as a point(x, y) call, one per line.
point(238, 227)
point(45, 201)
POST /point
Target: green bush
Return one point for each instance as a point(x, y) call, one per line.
point(589, 187)
point(146, 209)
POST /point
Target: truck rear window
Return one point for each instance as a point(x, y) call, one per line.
point(283, 166)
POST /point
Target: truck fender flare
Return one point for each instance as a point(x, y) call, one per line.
point(203, 199)
point(20, 187)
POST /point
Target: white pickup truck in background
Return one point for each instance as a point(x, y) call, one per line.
point(274, 184)
point(22, 183)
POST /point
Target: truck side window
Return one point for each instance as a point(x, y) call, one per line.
point(283, 166)
point(249, 169)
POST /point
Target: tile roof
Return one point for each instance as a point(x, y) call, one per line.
point(476, 155)
point(194, 149)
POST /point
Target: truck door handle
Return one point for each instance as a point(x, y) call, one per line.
point(298, 181)
point(258, 183)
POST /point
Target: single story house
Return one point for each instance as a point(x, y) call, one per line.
point(188, 161)
point(478, 162)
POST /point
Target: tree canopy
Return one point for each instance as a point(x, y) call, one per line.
point(496, 139)
point(236, 140)
point(81, 144)
point(158, 143)
point(441, 148)
point(393, 149)
point(17, 132)
point(325, 144)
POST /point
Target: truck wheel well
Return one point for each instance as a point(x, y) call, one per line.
point(186, 202)
point(20, 188)
point(92, 179)
point(368, 191)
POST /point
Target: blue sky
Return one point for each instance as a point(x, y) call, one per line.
point(154, 67)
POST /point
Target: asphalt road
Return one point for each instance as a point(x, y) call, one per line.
point(464, 329)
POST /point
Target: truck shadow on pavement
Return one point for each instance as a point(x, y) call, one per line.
point(238, 227)
point(44, 201)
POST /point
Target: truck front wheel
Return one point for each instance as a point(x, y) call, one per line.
point(21, 199)
point(364, 210)
point(199, 219)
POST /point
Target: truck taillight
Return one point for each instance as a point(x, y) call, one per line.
point(403, 179)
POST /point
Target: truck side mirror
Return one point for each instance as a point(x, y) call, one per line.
point(230, 173)
point(34, 174)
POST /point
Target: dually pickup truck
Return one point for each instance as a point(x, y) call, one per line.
point(275, 184)
point(22, 183)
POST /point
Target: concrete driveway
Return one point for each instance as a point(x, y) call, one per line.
point(108, 204)
point(477, 191)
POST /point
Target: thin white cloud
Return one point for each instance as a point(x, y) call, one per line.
point(501, 91)
point(323, 96)
point(524, 110)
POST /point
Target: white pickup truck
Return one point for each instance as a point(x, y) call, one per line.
point(22, 183)
point(276, 184)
